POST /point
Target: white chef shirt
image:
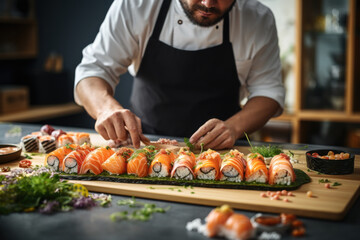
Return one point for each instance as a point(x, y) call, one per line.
point(121, 42)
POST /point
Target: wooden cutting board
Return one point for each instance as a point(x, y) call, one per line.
point(326, 203)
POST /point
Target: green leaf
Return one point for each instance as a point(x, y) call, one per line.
point(189, 144)
point(336, 184)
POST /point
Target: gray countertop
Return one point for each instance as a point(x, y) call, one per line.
point(96, 223)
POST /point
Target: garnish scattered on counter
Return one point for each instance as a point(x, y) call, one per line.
point(324, 180)
point(174, 188)
point(142, 214)
point(13, 132)
point(336, 184)
point(27, 190)
point(27, 156)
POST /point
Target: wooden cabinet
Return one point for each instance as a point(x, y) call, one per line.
point(18, 34)
point(327, 79)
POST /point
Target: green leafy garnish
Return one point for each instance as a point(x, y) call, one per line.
point(201, 147)
point(265, 151)
point(28, 156)
point(189, 144)
point(336, 184)
point(30, 192)
point(324, 180)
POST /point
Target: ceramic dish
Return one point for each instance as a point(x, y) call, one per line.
point(278, 227)
point(327, 166)
point(7, 157)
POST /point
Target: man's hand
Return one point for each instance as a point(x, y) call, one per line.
point(214, 134)
point(118, 124)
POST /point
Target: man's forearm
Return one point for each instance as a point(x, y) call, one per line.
point(254, 115)
point(96, 96)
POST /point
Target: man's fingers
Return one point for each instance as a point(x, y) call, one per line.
point(131, 125)
point(202, 131)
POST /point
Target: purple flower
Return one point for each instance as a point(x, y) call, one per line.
point(49, 207)
point(83, 202)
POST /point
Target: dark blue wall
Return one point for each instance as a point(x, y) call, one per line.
point(66, 27)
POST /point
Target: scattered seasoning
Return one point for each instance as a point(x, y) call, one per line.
point(336, 184)
point(5, 169)
point(324, 180)
point(192, 192)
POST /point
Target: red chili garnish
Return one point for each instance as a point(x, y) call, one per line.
point(5, 169)
point(25, 163)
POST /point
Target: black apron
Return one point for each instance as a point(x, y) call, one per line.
point(176, 91)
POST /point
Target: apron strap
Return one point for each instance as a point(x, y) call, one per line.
point(161, 19)
point(226, 32)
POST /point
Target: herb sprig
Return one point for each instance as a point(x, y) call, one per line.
point(265, 151)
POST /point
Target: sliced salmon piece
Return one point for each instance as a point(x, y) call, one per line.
point(117, 163)
point(94, 160)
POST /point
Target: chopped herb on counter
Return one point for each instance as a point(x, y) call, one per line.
point(336, 184)
point(28, 156)
point(324, 180)
point(142, 214)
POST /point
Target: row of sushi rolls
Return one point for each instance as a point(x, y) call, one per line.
point(72, 152)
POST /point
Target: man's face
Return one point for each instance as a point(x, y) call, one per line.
point(206, 12)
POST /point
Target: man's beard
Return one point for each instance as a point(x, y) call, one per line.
point(203, 21)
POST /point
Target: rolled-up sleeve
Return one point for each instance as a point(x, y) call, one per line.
point(112, 51)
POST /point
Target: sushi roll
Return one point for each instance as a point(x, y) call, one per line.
point(237, 227)
point(117, 163)
point(233, 167)
point(162, 164)
point(93, 160)
point(138, 163)
point(55, 159)
point(30, 143)
point(47, 144)
point(64, 140)
point(74, 160)
point(281, 170)
point(216, 219)
point(82, 138)
point(46, 130)
point(183, 165)
point(208, 165)
point(256, 170)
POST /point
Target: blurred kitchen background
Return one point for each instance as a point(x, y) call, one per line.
point(41, 43)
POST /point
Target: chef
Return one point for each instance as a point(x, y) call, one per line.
point(193, 61)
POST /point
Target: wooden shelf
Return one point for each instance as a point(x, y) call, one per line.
point(38, 113)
